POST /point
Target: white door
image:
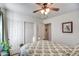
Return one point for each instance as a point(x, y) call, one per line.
point(28, 32)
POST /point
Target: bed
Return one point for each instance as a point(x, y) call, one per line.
point(47, 48)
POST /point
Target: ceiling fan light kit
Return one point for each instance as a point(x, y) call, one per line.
point(42, 11)
point(46, 11)
point(45, 8)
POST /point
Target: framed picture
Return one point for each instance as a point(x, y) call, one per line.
point(67, 27)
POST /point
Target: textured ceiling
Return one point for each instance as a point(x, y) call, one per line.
point(28, 8)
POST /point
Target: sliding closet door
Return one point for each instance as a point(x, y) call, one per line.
point(28, 32)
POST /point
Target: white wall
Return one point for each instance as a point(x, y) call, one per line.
point(41, 31)
point(16, 29)
point(70, 39)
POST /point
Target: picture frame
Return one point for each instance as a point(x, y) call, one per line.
point(67, 27)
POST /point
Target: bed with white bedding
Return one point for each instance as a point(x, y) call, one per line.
point(47, 48)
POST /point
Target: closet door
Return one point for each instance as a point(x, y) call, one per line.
point(28, 32)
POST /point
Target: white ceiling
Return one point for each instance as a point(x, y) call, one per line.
point(28, 8)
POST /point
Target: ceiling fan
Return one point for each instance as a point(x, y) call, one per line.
point(45, 8)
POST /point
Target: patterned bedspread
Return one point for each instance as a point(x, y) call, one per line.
point(47, 48)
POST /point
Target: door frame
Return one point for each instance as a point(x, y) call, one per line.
point(50, 30)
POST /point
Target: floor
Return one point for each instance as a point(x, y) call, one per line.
point(47, 48)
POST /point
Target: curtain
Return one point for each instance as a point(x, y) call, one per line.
point(0, 27)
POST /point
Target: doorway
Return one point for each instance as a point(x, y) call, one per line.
point(28, 32)
point(48, 31)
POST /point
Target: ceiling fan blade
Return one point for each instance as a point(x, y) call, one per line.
point(36, 10)
point(50, 3)
point(40, 4)
point(55, 9)
point(45, 3)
